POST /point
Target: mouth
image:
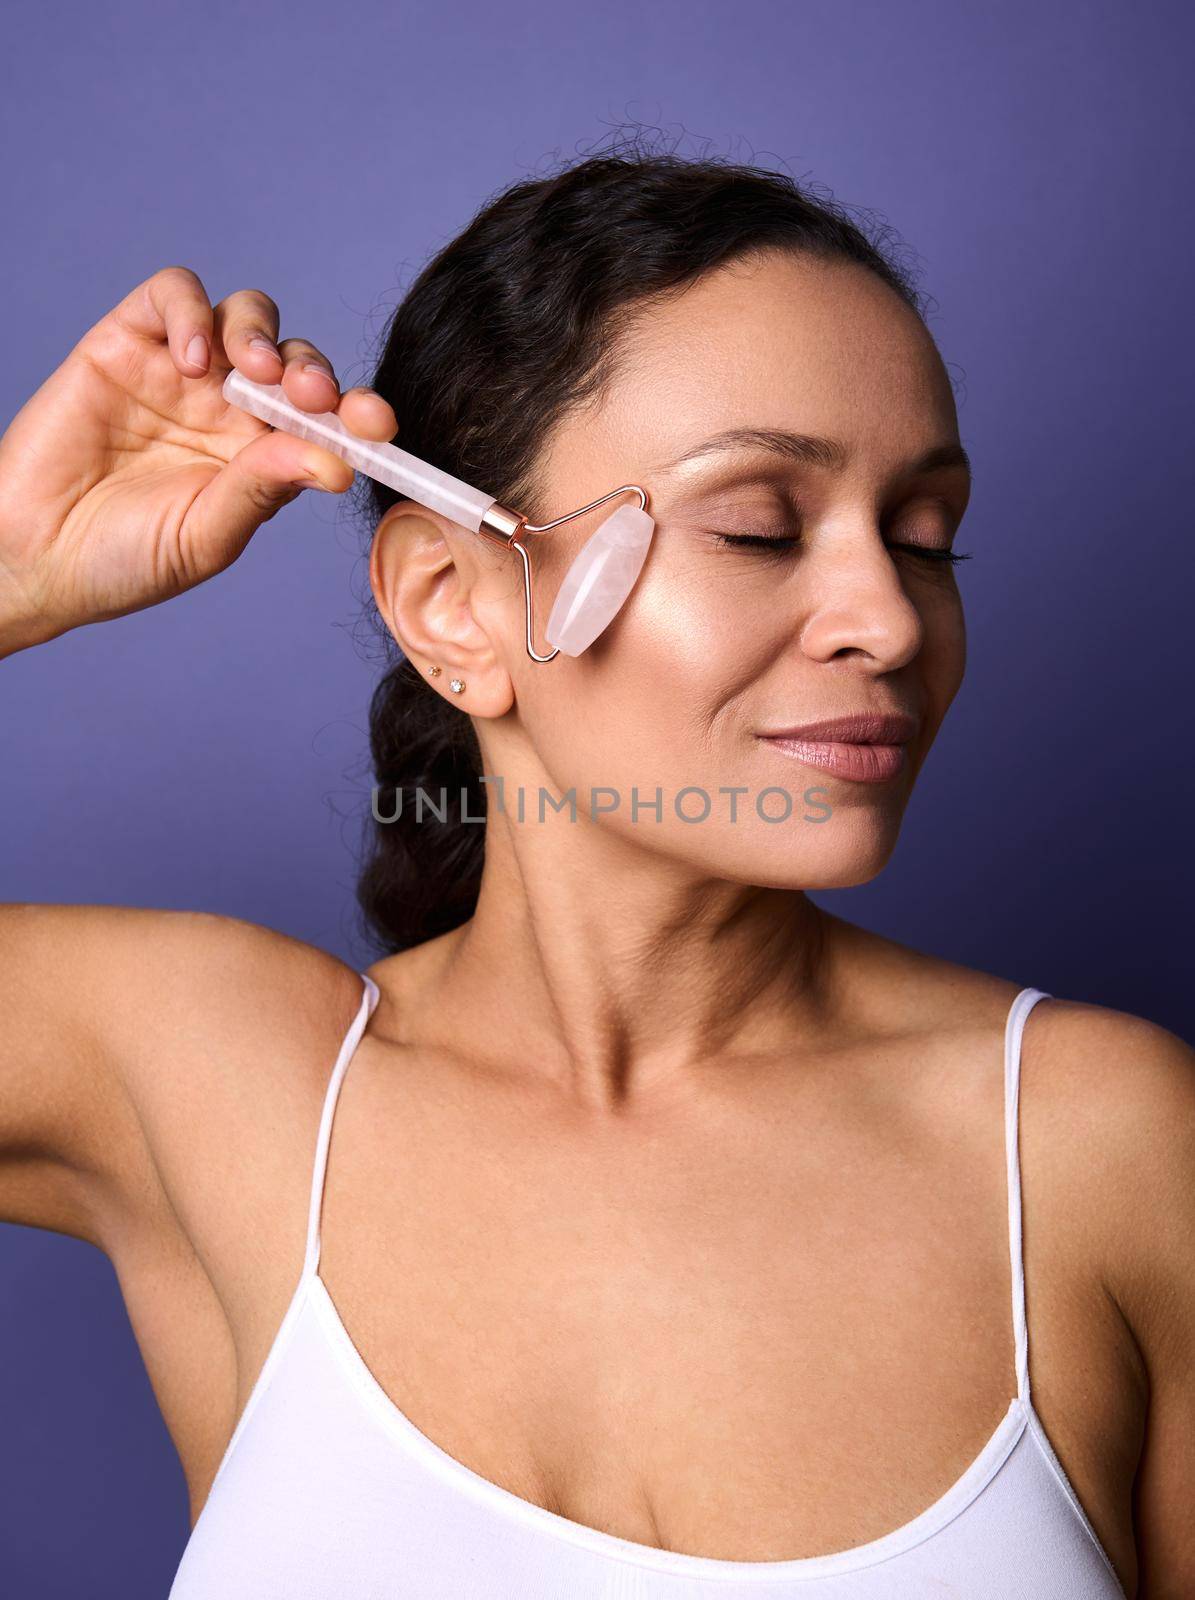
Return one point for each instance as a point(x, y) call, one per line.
point(867, 748)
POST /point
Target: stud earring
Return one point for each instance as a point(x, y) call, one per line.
point(457, 685)
point(434, 672)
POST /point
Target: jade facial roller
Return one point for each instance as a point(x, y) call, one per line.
point(595, 585)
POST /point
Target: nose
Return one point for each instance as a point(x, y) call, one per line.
point(857, 604)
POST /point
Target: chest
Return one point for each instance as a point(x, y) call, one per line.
point(737, 1340)
point(758, 1335)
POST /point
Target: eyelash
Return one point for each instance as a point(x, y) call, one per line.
point(759, 541)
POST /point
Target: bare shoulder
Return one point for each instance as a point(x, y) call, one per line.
point(1123, 1088)
point(1107, 1132)
point(1123, 1062)
point(1107, 1121)
point(1119, 1091)
point(243, 998)
point(161, 1080)
point(890, 989)
point(135, 1041)
point(234, 1030)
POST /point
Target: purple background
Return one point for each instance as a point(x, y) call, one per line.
point(209, 753)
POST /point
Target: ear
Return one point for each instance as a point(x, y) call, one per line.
point(433, 593)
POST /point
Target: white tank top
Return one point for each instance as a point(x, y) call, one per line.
point(327, 1491)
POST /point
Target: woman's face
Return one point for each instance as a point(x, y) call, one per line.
point(720, 644)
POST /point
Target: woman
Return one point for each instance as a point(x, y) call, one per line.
point(667, 1240)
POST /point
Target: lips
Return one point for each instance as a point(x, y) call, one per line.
point(867, 747)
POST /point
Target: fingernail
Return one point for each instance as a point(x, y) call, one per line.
point(196, 351)
point(259, 343)
point(311, 475)
point(321, 372)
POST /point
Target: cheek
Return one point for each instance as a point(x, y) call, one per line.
point(687, 650)
point(648, 708)
point(685, 621)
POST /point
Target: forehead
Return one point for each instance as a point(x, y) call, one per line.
point(775, 342)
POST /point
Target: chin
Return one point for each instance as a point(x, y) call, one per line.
point(833, 864)
point(810, 858)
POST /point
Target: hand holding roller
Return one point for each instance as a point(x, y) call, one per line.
point(594, 587)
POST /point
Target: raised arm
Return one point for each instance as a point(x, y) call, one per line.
point(76, 982)
point(124, 480)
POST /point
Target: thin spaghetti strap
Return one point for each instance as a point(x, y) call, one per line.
point(1022, 1005)
point(273, 1355)
point(352, 1038)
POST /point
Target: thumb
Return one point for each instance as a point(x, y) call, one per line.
point(265, 475)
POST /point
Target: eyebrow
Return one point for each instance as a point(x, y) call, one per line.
point(808, 449)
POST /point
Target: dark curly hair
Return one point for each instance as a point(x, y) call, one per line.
point(510, 325)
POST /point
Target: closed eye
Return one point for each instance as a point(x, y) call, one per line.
point(931, 552)
point(778, 545)
point(773, 544)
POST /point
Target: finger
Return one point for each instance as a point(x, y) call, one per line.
point(245, 335)
point(173, 306)
point(364, 412)
point(307, 376)
point(266, 474)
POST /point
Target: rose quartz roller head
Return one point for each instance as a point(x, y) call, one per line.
point(594, 587)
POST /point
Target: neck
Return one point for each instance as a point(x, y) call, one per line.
point(623, 976)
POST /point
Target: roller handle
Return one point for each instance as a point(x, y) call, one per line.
point(416, 479)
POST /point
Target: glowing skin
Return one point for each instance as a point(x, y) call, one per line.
point(719, 642)
point(716, 643)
